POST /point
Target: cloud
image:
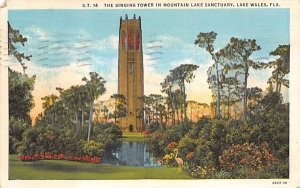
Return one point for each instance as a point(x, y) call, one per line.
point(152, 78)
point(39, 32)
point(109, 43)
point(47, 79)
point(175, 64)
point(165, 41)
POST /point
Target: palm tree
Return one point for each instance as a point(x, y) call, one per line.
point(94, 87)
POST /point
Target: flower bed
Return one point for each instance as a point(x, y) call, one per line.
point(247, 155)
point(61, 156)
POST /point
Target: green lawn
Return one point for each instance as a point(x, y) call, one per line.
point(133, 137)
point(70, 170)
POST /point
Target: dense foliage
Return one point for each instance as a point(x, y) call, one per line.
point(20, 87)
point(43, 139)
point(225, 148)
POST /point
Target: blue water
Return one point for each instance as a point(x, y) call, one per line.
point(135, 154)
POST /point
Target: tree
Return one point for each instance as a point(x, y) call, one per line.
point(281, 66)
point(14, 36)
point(167, 88)
point(238, 51)
point(180, 75)
point(254, 94)
point(229, 84)
point(206, 40)
point(20, 85)
point(48, 104)
point(119, 107)
point(203, 106)
point(192, 105)
point(20, 95)
point(94, 87)
point(73, 100)
point(101, 112)
point(157, 100)
point(83, 101)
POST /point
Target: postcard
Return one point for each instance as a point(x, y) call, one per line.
point(151, 93)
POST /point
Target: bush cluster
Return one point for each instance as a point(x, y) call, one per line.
point(220, 148)
point(47, 142)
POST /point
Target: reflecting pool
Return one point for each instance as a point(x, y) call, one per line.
point(135, 154)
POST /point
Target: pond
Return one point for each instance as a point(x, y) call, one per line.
point(135, 154)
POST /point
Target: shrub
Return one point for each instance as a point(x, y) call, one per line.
point(202, 172)
point(271, 119)
point(152, 127)
point(16, 129)
point(170, 147)
point(108, 134)
point(196, 128)
point(210, 144)
point(154, 141)
point(185, 146)
point(246, 160)
point(93, 148)
point(221, 175)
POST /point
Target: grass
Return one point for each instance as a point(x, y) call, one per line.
point(134, 137)
point(70, 170)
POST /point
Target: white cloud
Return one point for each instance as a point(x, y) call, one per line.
point(47, 79)
point(111, 42)
point(39, 32)
point(175, 64)
point(152, 79)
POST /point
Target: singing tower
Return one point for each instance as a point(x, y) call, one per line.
point(131, 73)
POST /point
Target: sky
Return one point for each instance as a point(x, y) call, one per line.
point(68, 44)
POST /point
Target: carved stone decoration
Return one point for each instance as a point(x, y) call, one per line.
point(130, 40)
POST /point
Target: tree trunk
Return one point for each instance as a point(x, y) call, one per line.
point(228, 101)
point(245, 91)
point(178, 119)
point(184, 99)
point(167, 115)
point(90, 119)
point(280, 83)
point(277, 83)
point(218, 112)
point(76, 122)
point(82, 119)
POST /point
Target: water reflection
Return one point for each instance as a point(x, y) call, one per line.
point(135, 154)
